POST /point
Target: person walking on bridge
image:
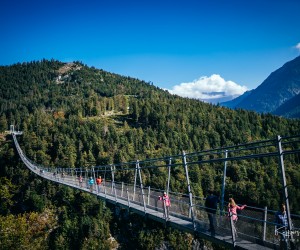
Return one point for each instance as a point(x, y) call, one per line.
point(91, 183)
point(98, 182)
point(281, 226)
point(211, 205)
point(232, 212)
point(166, 205)
point(80, 180)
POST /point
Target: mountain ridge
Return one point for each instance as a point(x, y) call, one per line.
point(290, 108)
point(280, 86)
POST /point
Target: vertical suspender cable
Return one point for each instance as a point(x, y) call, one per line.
point(141, 184)
point(134, 185)
point(169, 175)
point(283, 178)
point(224, 183)
point(189, 188)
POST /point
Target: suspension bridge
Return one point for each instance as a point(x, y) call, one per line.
point(123, 185)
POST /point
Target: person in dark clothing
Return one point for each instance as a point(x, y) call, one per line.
point(211, 205)
point(281, 226)
point(281, 219)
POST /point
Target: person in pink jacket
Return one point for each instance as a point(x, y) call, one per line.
point(232, 211)
point(166, 204)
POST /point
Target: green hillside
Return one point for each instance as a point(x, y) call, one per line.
point(75, 116)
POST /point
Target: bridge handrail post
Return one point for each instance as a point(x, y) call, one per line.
point(80, 174)
point(94, 176)
point(169, 175)
point(165, 212)
point(233, 229)
point(141, 184)
point(75, 177)
point(113, 168)
point(148, 200)
point(122, 188)
point(134, 185)
point(283, 179)
point(72, 179)
point(223, 184)
point(86, 177)
point(128, 200)
point(265, 223)
point(12, 128)
point(112, 180)
point(104, 182)
point(104, 188)
point(189, 188)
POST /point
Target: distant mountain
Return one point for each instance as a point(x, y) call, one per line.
point(233, 103)
point(290, 108)
point(282, 85)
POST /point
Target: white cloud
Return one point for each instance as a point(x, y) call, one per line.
point(210, 89)
point(298, 46)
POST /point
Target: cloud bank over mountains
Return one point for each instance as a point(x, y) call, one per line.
point(213, 89)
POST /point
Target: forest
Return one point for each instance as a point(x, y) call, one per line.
point(73, 115)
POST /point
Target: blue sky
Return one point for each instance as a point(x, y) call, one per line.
point(209, 45)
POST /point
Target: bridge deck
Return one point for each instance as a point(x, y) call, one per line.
point(148, 206)
point(155, 213)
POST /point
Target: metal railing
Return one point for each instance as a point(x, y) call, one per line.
point(254, 224)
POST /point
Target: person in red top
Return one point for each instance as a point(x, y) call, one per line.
point(166, 205)
point(98, 182)
point(80, 179)
point(232, 211)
